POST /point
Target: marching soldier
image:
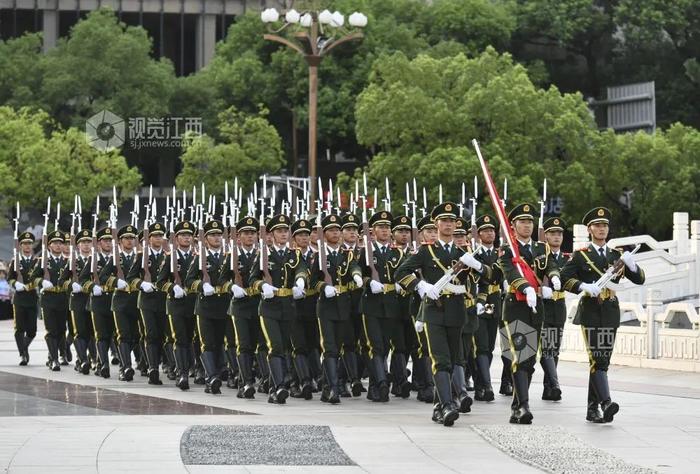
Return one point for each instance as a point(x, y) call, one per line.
point(381, 310)
point(554, 313)
point(213, 299)
point(99, 303)
point(179, 304)
point(150, 300)
point(335, 307)
point(538, 257)
point(54, 296)
point(468, 363)
point(488, 309)
point(244, 305)
point(78, 302)
point(65, 353)
point(24, 303)
point(599, 310)
point(287, 280)
point(444, 310)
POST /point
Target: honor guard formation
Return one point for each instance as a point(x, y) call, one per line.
point(287, 297)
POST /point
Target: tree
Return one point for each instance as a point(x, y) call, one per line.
point(250, 147)
point(21, 70)
point(39, 159)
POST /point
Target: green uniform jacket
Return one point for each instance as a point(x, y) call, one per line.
point(77, 301)
point(433, 261)
point(248, 307)
point(306, 307)
point(382, 305)
point(555, 309)
point(220, 276)
point(121, 299)
point(285, 268)
point(586, 266)
point(155, 300)
point(341, 268)
point(56, 297)
point(27, 298)
point(179, 307)
point(102, 303)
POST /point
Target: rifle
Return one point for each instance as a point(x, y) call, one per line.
point(614, 269)
point(45, 241)
point(16, 250)
point(200, 245)
point(71, 259)
point(369, 247)
point(540, 225)
point(475, 238)
point(322, 256)
point(146, 250)
point(264, 250)
point(93, 257)
point(116, 259)
point(173, 255)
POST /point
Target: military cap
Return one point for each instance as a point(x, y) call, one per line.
point(426, 222)
point(597, 215)
point(213, 227)
point(400, 222)
point(485, 222)
point(156, 228)
point(247, 223)
point(66, 236)
point(126, 231)
point(461, 226)
point(55, 236)
point(554, 223)
point(446, 210)
point(277, 222)
point(381, 217)
point(26, 237)
point(84, 234)
point(330, 221)
point(522, 211)
point(104, 233)
point(350, 220)
point(184, 227)
point(301, 225)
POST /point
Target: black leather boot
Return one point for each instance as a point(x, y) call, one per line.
point(600, 384)
point(127, 372)
point(462, 398)
point(213, 382)
point(264, 368)
point(593, 414)
point(484, 392)
point(403, 387)
point(246, 387)
point(169, 353)
point(103, 359)
point(330, 392)
point(552, 390)
point(182, 361)
point(82, 363)
point(380, 374)
point(520, 409)
point(350, 361)
point(302, 367)
point(448, 411)
point(153, 353)
point(52, 344)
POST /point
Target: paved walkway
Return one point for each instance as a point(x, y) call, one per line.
point(63, 421)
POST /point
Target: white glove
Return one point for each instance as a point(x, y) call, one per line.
point(590, 289)
point(398, 288)
point(238, 292)
point(20, 286)
point(419, 326)
point(506, 286)
point(121, 284)
point(376, 287)
point(300, 284)
point(330, 291)
point(546, 293)
point(268, 291)
point(421, 287)
point(97, 290)
point(556, 283)
point(432, 292)
point(207, 289)
point(75, 286)
point(469, 260)
point(46, 284)
point(147, 286)
point(357, 279)
point(480, 308)
point(297, 293)
point(628, 258)
point(531, 297)
point(178, 292)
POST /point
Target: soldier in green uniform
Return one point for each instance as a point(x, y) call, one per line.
point(422, 377)
point(305, 337)
point(488, 309)
point(78, 302)
point(599, 310)
point(381, 310)
point(461, 239)
point(24, 303)
point(213, 299)
point(530, 312)
point(288, 278)
point(179, 304)
point(54, 295)
point(334, 309)
point(244, 306)
point(150, 300)
point(100, 299)
point(444, 310)
point(64, 350)
point(554, 313)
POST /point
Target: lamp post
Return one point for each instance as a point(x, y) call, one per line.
point(313, 35)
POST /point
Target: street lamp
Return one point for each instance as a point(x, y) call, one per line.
point(313, 35)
